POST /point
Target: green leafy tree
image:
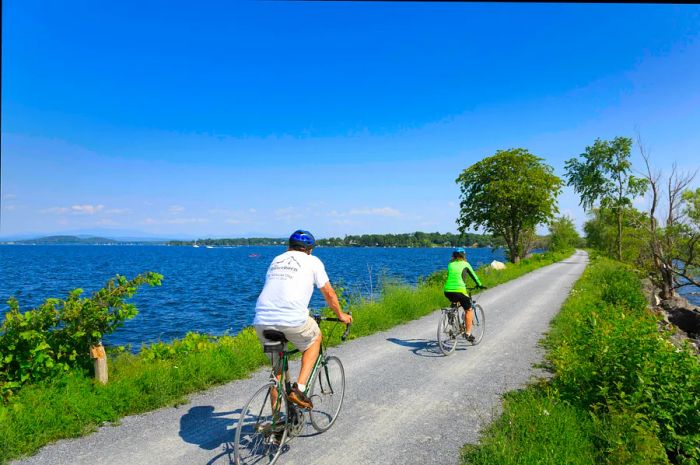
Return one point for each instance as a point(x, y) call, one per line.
point(508, 194)
point(603, 176)
point(674, 230)
point(563, 234)
point(56, 336)
point(601, 234)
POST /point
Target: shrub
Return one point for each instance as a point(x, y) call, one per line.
point(56, 336)
point(609, 357)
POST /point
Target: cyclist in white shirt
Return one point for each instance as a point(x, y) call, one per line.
point(283, 304)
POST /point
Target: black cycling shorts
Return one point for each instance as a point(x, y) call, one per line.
point(463, 299)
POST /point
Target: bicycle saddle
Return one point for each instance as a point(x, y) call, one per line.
point(274, 335)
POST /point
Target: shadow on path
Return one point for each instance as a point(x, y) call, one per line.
point(421, 347)
point(206, 428)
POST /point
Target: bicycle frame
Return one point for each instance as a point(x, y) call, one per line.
point(280, 371)
point(455, 307)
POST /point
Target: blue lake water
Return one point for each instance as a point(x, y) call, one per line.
point(206, 290)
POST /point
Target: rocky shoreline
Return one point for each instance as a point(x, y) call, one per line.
point(676, 312)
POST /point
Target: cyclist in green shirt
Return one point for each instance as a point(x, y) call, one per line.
point(455, 287)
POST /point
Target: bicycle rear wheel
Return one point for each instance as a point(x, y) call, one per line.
point(327, 392)
point(261, 430)
point(448, 330)
point(478, 324)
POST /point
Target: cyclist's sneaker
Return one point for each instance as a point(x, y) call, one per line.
point(300, 398)
point(470, 338)
point(276, 438)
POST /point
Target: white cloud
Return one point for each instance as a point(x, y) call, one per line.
point(385, 211)
point(289, 213)
point(55, 210)
point(10, 207)
point(117, 211)
point(86, 209)
point(176, 209)
point(186, 220)
point(153, 221)
point(237, 221)
point(107, 222)
point(9, 197)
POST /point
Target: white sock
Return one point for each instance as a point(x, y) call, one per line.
point(302, 387)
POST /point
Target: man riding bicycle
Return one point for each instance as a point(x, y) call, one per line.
point(456, 289)
point(283, 305)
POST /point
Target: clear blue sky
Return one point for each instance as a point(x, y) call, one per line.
point(229, 119)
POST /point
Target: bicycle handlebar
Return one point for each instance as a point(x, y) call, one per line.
point(320, 318)
point(347, 329)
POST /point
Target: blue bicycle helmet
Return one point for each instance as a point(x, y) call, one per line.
point(302, 238)
point(460, 250)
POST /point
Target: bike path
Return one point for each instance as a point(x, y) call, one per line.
point(404, 403)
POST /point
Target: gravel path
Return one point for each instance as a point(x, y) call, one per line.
point(405, 402)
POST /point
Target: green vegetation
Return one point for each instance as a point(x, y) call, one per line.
point(563, 234)
point(621, 392)
point(508, 194)
point(65, 240)
point(233, 242)
point(71, 404)
point(56, 337)
point(662, 242)
point(675, 241)
point(416, 239)
point(604, 176)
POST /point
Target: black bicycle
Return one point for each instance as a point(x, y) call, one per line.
point(269, 420)
point(452, 325)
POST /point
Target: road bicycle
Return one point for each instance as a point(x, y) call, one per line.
point(269, 420)
point(452, 325)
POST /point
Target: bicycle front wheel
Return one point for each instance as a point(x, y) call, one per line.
point(447, 332)
point(327, 393)
point(478, 324)
point(262, 427)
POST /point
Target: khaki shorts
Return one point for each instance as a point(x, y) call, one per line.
point(302, 337)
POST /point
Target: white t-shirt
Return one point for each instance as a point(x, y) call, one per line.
point(289, 284)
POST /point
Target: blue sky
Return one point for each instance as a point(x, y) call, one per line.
point(229, 119)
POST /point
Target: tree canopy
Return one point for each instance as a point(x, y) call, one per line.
point(563, 234)
point(508, 195)
point(603, 175)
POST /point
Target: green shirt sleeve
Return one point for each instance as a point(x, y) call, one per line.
point(470, 271)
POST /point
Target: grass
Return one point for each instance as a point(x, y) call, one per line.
point(621, 392)
point(164, 374)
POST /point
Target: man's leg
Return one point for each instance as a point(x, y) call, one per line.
point(300, 337)
point(308, 360)
point(469, 316)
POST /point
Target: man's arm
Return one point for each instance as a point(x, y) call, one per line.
point(332, 301)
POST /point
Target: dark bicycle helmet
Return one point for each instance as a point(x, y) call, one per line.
point(302, 238)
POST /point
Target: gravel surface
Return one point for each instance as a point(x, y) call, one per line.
point(405, 402)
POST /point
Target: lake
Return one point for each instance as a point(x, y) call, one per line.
point(205, 290)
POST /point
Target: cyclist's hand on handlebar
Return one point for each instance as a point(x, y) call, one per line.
point(345, 318)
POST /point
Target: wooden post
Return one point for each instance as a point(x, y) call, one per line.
point(97, 353)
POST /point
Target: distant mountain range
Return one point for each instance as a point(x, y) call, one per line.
point(77, 240)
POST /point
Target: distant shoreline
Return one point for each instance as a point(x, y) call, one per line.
point(163, 244)
point(406, 240)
